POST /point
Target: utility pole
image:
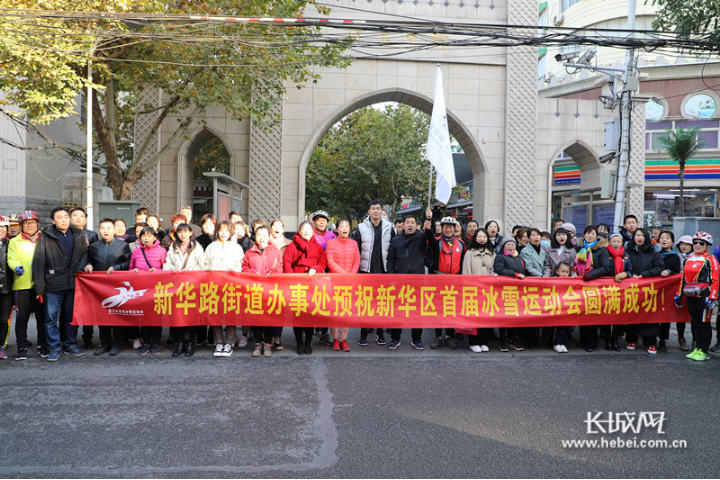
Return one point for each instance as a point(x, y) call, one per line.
point(625, 98)
point(88, 153)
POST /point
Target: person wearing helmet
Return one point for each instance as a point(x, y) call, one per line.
point(13, 226)
point(716, 348)
point(5, 288)
point(699, 284)
point(320, 219)
point(61, 252)
point(448, 252)
point(21, 251)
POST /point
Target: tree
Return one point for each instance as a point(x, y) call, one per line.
point(212, 157)
point(45, 50)
point(690, 18)
point(370, 154)
point(681, 145)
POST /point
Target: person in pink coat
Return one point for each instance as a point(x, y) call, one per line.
point(343, 256)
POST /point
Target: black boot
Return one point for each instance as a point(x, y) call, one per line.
point(300, 346)
point(308, 345)
point(182, 346)
point(190, 351)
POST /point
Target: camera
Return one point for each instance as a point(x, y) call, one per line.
point(564, 57)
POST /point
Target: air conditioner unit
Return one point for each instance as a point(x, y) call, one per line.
point(558, 19)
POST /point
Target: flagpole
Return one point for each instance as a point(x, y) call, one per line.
point(430, 187)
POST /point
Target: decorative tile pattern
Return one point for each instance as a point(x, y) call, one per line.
point(147, 190)
point(521, 121)
point(636, 173)
point(265, 171)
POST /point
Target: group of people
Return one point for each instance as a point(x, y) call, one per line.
point(37, 274)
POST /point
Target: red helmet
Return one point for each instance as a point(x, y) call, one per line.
point(29, 215)
point(704, 236)
point(13, 218)
point(4, 222)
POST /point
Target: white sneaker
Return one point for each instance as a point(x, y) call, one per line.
point(218, 350)
point(558, 348)
point(484, 348)
point(227, 350)
point(475, 348)
point(243, 341)
point(258, 350)
point(137, 343)
point(565, 350)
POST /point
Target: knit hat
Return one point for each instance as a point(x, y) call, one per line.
point(616, 235)
point(569, 227)
point(505, 240)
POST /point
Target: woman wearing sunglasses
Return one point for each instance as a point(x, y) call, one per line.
point(699, 284)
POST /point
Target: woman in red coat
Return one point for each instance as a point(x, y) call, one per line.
point(304, 255)
point(343, 256)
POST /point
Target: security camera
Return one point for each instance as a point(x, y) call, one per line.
point(564, 57)
point(587, 57)
point(607, 158)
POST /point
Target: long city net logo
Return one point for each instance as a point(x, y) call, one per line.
point(126, 294)
point(605, 424)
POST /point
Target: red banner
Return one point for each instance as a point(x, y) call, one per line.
point(388, 301)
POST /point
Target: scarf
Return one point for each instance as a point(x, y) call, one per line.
point(583, 259)
point(33, 238)
point(617, 256)
point(513, 254)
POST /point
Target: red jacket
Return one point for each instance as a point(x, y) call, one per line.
point(269, 261)
point(343, 256)
point(701, 271)
point(302, 255)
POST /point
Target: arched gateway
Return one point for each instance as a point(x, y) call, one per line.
point(509, 135)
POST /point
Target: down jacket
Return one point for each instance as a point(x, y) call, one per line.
point(103, 255)
point(302, 255)
point(155, 254)
point(268, 261)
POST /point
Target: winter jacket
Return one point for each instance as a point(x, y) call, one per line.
point(102, 255)
point(263, 263)
point(646, 261)
point(672, 262)
point(5, 272)
point(281, 243)
point(225, 256)
point(508, 266)
point(204, 240)
point(343, 256)
point(365, 237)
point(323, 238)
point(245, 243)
point(448, 263)
point(479, 262)
point(20, 254)
point(555, 256)
point(155, 254)
point(302, 255)
point(193, 259)
point(534, 261)
point(601, 262)
point(406, 253)
point(51, 269)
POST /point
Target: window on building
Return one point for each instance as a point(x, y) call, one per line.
point(569, 3)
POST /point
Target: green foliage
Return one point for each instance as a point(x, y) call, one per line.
point(370, 154)
point(681, 144)
point(212, 157)
point(242, 67)
point(690, 18)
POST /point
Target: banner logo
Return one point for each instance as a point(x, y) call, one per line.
point(123, 297)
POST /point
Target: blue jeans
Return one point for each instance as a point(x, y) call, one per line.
point(54, 301)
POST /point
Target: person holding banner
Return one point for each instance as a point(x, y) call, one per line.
point(673, 265)
point(304, 255)
point(533, 256)
point(263, 259)
point(149, 257)
point(449, 252)
point(6, 300)
point(405, 255)
point(646, 262)
point(224, 254)
point(508, 264)
point(185, 254)
point(342, 257)
point(592, 261)
point(699, 284)
point(622, 269)
point(479, 260)
point(373, 237)
point(108, 254)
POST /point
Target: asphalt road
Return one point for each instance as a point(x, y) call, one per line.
point(370, 413)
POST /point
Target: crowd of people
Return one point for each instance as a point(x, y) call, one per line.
point(38, 267)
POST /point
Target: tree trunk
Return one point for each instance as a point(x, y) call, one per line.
point(682, 190)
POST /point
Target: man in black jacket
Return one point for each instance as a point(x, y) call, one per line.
point(406, 255)
point(108, 254)
point(78, 219)
point(60, 253)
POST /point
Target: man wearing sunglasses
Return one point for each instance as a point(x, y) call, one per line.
point(699, 284)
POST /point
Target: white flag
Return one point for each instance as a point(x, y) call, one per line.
point(438, 145)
